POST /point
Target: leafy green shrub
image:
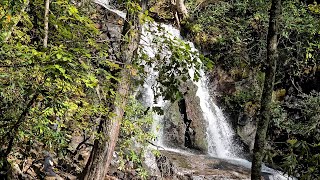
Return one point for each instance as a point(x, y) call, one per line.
point(135, 135)
point(298, 120)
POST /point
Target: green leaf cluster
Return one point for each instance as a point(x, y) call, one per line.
point(71, 78)
point(299, 119)
point(135, 136)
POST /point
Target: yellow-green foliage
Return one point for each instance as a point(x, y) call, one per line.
point(315, 8)
point(135, 136)
point(66, 78)
point(163, 8)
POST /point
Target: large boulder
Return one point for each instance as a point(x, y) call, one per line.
point(194, 113)
point(184, 125)
point(183, 165)
point(173, 127)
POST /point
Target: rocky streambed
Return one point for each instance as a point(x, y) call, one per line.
point(175, 165)
point(183, 165)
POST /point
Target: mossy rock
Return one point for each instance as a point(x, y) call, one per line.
point(162, 9)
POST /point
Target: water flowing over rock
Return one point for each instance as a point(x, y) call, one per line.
point(182, 125)
point(219, 132)
point(106, 4)
point(187, 123)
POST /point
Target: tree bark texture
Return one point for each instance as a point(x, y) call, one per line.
point(101, 156)
point(180, 11)
point(95, 166)
point(181, 8)
point(120, 103)
point(46, 24)
point(266, 99)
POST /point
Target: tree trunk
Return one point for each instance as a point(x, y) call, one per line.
point(46, 24)
point(5, 166)
point(180, 11)
point(102, 153)
point(95, 166)
point(266, 99)
point(181, 8)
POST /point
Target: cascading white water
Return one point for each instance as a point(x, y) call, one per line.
point(150, 85)
point(150, 102)
point(106, 4)
point(219, 132)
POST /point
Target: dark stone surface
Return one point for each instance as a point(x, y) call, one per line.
point(173, 127)
point(197, 124)
point(184, 165)
point(184, 125)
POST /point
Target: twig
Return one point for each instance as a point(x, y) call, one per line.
point(32, 64)
point(80, 144)
point(295, 86)
point(159, 147)
point(198, 6)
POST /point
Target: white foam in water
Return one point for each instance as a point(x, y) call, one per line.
point(149, 32)
point(219, 132)
point(275, 175)
point(106, 4)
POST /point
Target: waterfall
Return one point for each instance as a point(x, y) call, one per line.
point(106, 4)
point(151, 102)
point(219, 132)
point(149, 88)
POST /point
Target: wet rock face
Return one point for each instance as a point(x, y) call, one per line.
point(184, 125)
point(189, 133)
point(165, 166)
point(196, 122)
point(222, 82)
point(238, 90)
point(173, 127)
point(185, 166)
point(111, 27)
point(246, 126)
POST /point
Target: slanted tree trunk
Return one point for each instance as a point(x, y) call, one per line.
point(266, 99)
point(100, 158)
point(5, 167)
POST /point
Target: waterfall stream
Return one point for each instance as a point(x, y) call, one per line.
point(106, 4)
point(219, 132)
point(220, 135)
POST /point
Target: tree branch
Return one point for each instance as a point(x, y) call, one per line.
point(13, 131)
